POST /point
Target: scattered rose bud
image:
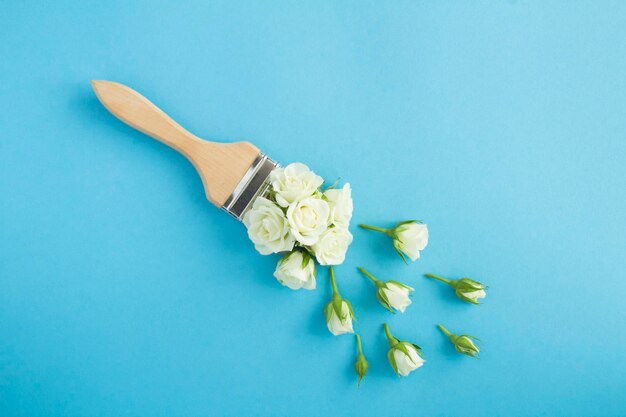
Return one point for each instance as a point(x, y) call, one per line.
point(463, 344)
point(296, 270)
point(361, 366)
point(466, 289)
point(391, 294)
point(404, 357)
point(338, 311)
point(409, 237)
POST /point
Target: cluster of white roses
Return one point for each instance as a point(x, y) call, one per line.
point(297, 217)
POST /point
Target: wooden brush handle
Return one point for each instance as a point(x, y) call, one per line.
point(220, 165)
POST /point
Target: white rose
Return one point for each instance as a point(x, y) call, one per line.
point(268, 227)
point(410, 238)
point(296, 270)
point(332, 246)
point(294, 183)
point(308, 219)
point(340, 202)
point(397, 295)
point(405, 364)
point(339, 325)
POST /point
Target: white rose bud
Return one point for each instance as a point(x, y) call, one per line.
point(407, 359)
point(393, 295)
point(340, 202)
point(465, 288)
point(338, 311)
point(339, 323)
point(463, 344)
point(294, 183)
point(404, 357)
point(268, 227)
point(409, 237)
point(308, 219)
point(296, 270)
point(397, 295)
point(361, 366)
point(332, 246)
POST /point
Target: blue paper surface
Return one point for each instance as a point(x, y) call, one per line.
point(502, 125)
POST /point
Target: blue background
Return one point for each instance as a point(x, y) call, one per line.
point(123, 292)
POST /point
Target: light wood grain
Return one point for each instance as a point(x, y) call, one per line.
point(220, 165)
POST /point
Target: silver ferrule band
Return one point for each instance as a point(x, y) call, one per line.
point(253, 184)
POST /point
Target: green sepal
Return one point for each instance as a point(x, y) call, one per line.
point(383, 300)
point(328, 311)
point(337, 304)
point(402, 347)
point(331, 308)
point(399, 284)
point(418, 349)
point(467, 284)
point(306, 258)
point(350, 310)
point(407, 222)
point(303, 249)
point(399, 252)
point(394, 234)
point(286, 256)
point(392, 360)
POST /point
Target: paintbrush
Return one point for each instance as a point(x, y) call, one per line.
point(233, 174)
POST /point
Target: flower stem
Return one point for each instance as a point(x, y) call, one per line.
point(377, 229)
point(392, 340)
point(367, 274)
point(438, 278)
point(358, 344)
point(332, 281)
point(444, 330)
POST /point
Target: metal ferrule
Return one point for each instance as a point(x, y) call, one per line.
point(253, 184)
